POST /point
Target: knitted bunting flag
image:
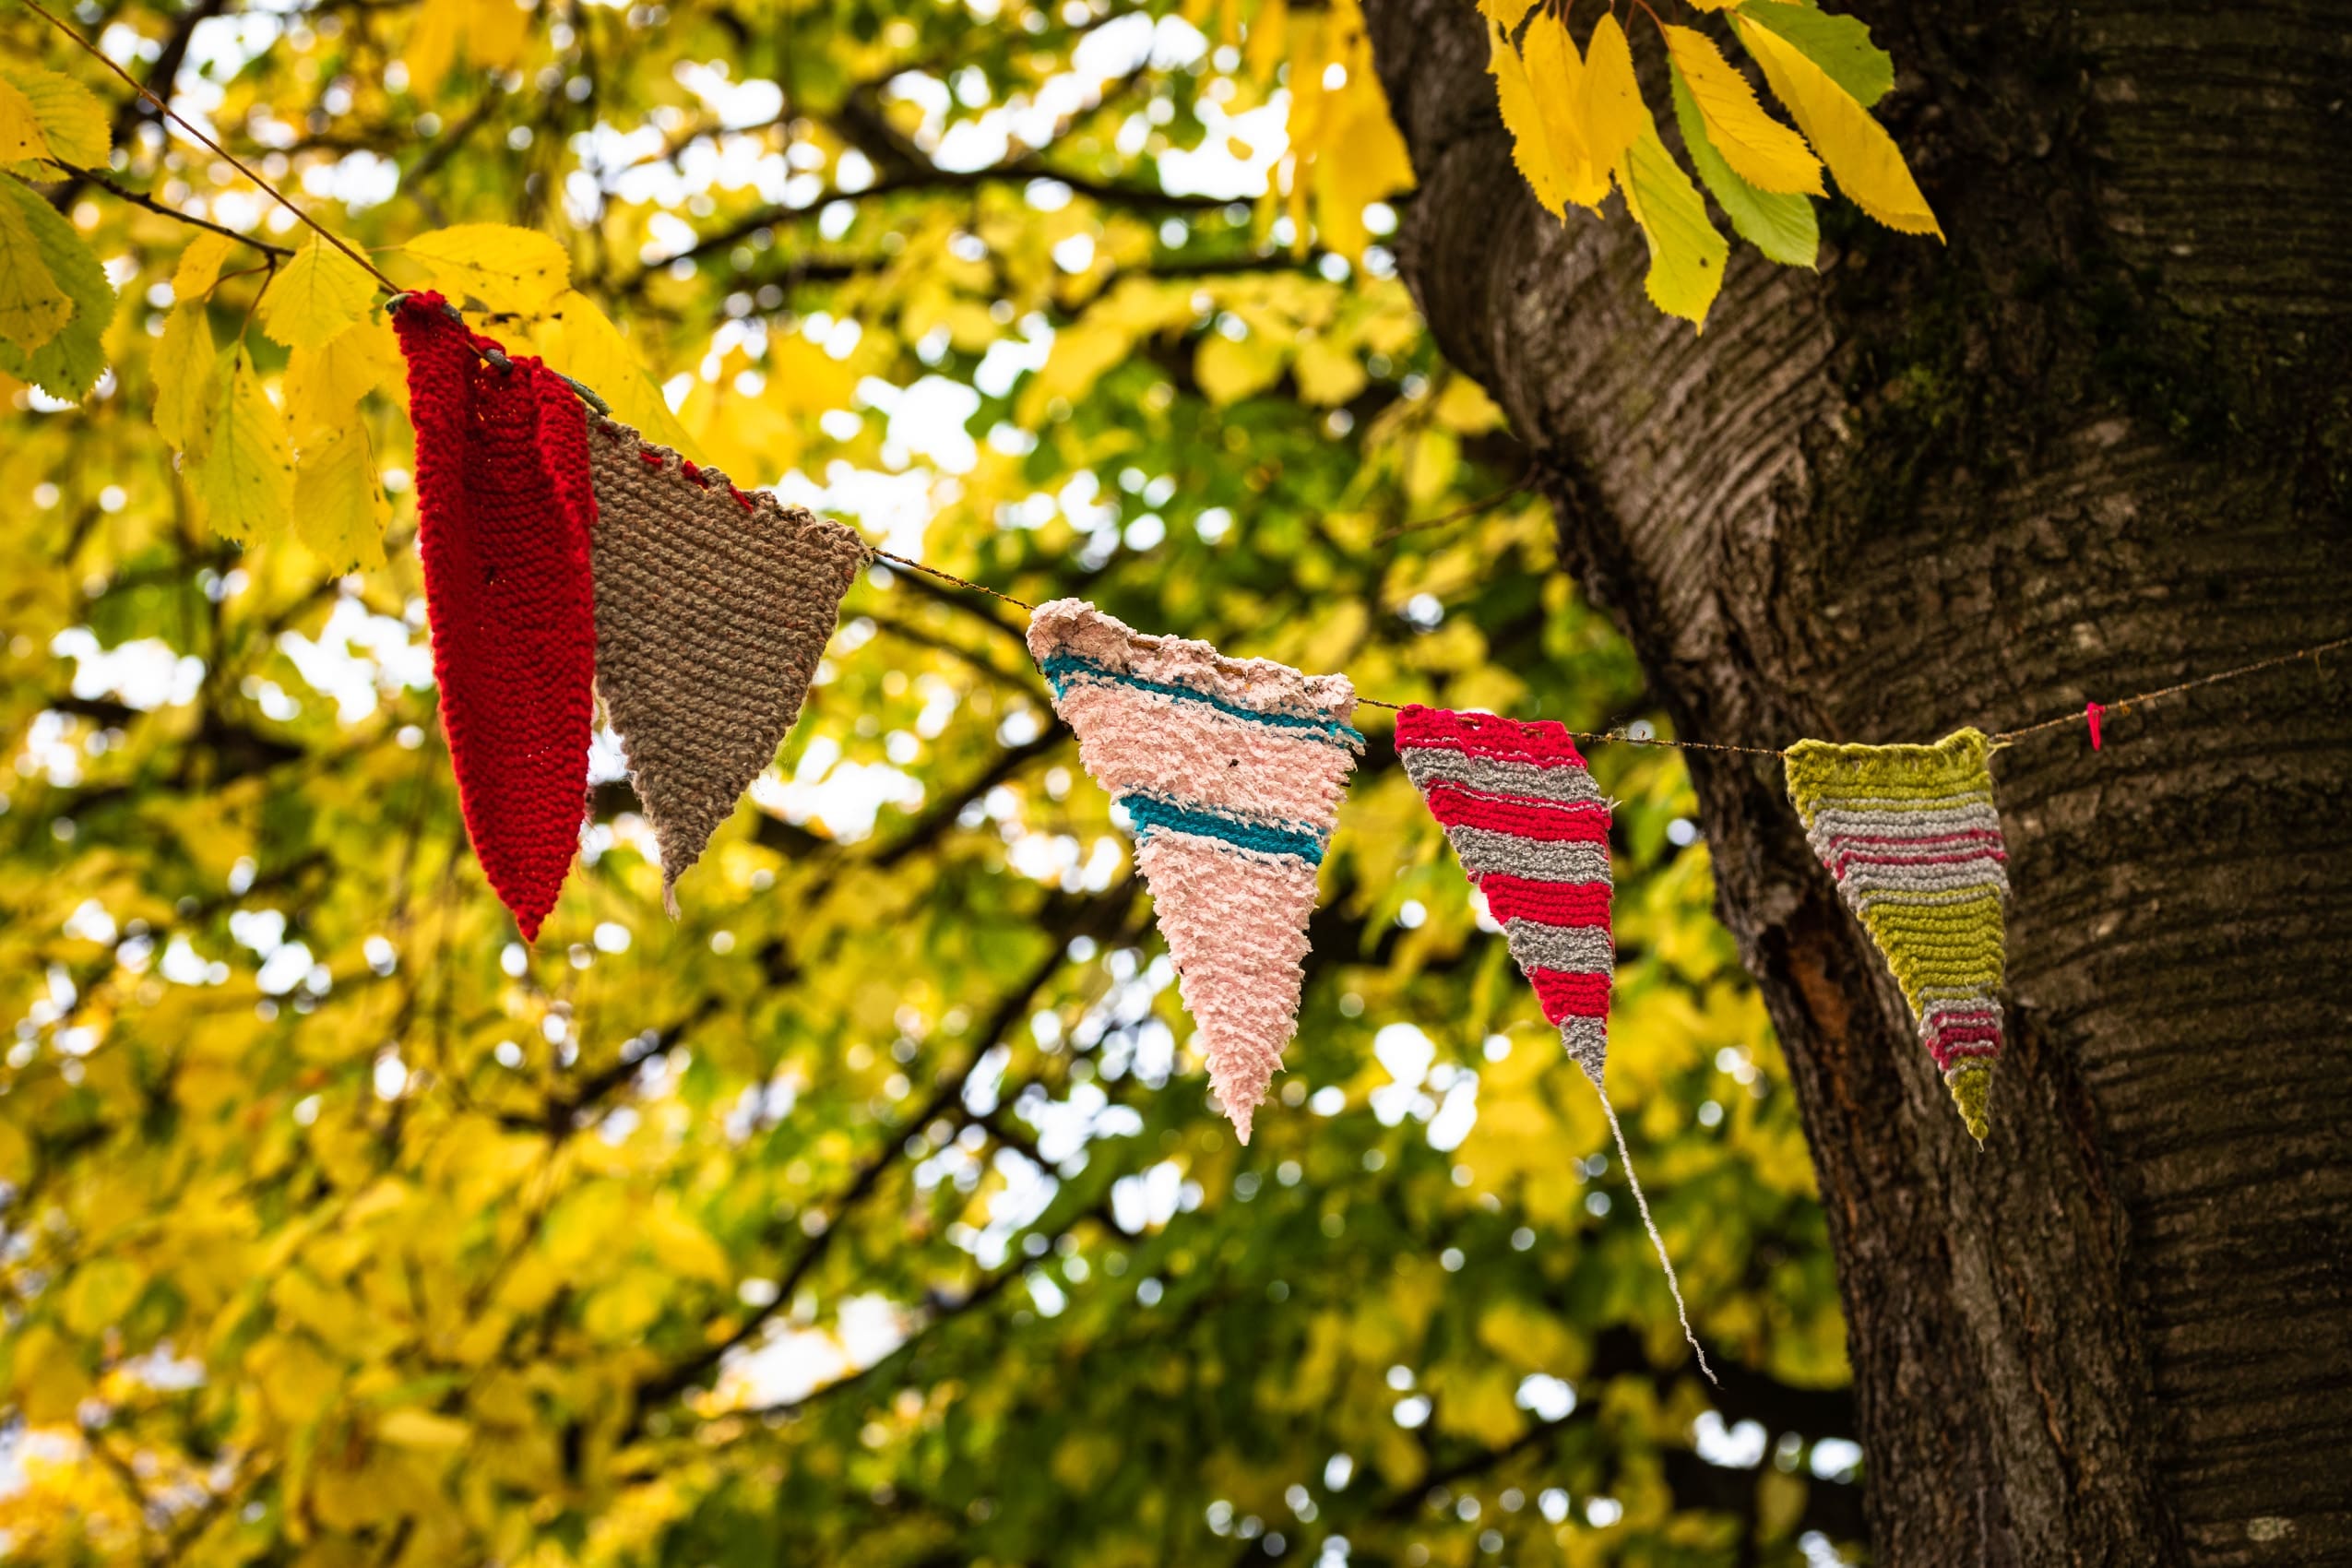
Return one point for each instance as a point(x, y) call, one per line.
point(712, 607)
point(1531, 828)
point(1231, 771)
point(1532, 831)
point(503, 513)
point(1912, 837)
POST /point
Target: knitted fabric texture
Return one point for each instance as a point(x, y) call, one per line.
point(1532, 830)
point(504, 514)
point(1231, 771)
point(713, 605)
point(1912, 837)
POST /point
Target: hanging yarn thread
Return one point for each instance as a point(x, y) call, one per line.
point(1912, 836)
point(713, 606)
point(505, 510)
point(1230, 771)
point(1531, 829)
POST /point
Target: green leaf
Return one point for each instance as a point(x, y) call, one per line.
point(33, 307)
point(1841, 46)
point(248, 480)
point(1686, 253)
point(73, 121)
point(1782, 226)
point(68, 364)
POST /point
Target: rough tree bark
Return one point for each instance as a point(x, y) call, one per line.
point(2101, 443)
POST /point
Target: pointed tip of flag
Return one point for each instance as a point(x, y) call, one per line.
point(1242, 1113)
point(1971, 1087)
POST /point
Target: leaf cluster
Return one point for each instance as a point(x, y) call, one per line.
point(1579, 124)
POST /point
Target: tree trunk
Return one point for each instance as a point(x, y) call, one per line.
point(2100, 444)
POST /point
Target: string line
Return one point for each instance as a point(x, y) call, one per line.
point(1611, 737)
point(2127, 704)
point(234, 161)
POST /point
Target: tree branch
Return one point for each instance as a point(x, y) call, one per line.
point(889, 1152)
point(141, 199)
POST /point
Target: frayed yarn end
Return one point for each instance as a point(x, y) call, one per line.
point(1674, 1286)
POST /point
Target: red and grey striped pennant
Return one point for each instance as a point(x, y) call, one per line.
point(1532, 830)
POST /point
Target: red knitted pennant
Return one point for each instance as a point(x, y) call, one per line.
point(505, 509)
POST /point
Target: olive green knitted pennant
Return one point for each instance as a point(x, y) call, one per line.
point(1912, 837)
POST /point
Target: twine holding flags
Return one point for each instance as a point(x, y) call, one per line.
point(554, 559)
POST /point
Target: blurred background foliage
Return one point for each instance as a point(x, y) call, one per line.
point(873, 1212)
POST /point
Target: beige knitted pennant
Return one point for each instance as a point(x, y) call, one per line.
point(712, 607)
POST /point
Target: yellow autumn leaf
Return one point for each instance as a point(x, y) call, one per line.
point(1760, 149)
point(1464, 407)
point(33, 307)
point(580, 340)
point(433, 44)
point(200, 265)
point(339, 510)
point(1230, 370)
point(1480, 1402)
point(1608, 106)
point(315, 296)
point(804, 379)
point(73, 121)
point(183, 364)
point(247, 479)
point(495, 33)
point(1329, 376)
point(297, 1382)
point(21, 137)
point(514, 271)
point(411, 1427)
point(100, 1292)
point(1557, 76)
point(1528, 1338)
point(1530, 148)
point(323, 385)
point(686, 1247)
point(50, 1383)
point(1507, 14)
point(1687, 254)
point(489, 34)
point(1869, 167)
